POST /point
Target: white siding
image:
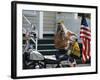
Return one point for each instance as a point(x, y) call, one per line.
point(50, 19)
point(71, 22)
point(49, 22)
point(32, 16)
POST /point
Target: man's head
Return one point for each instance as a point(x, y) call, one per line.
point(59, 27)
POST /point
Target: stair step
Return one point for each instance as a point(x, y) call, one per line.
point(46, 41)
point(46, 38)
point(45, 46)
point(47, 50)
point(48, 35)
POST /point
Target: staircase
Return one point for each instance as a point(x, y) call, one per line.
point(46, 45)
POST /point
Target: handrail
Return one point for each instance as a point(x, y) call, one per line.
point(35, 31)
point(27, 20)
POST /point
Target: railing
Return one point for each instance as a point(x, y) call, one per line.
point(34, 39)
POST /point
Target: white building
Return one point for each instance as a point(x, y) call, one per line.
point(46, 22)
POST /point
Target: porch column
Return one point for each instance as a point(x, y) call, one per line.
point(40, 28)
point(75, 15)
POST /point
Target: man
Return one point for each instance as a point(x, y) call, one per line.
point(63, 40)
